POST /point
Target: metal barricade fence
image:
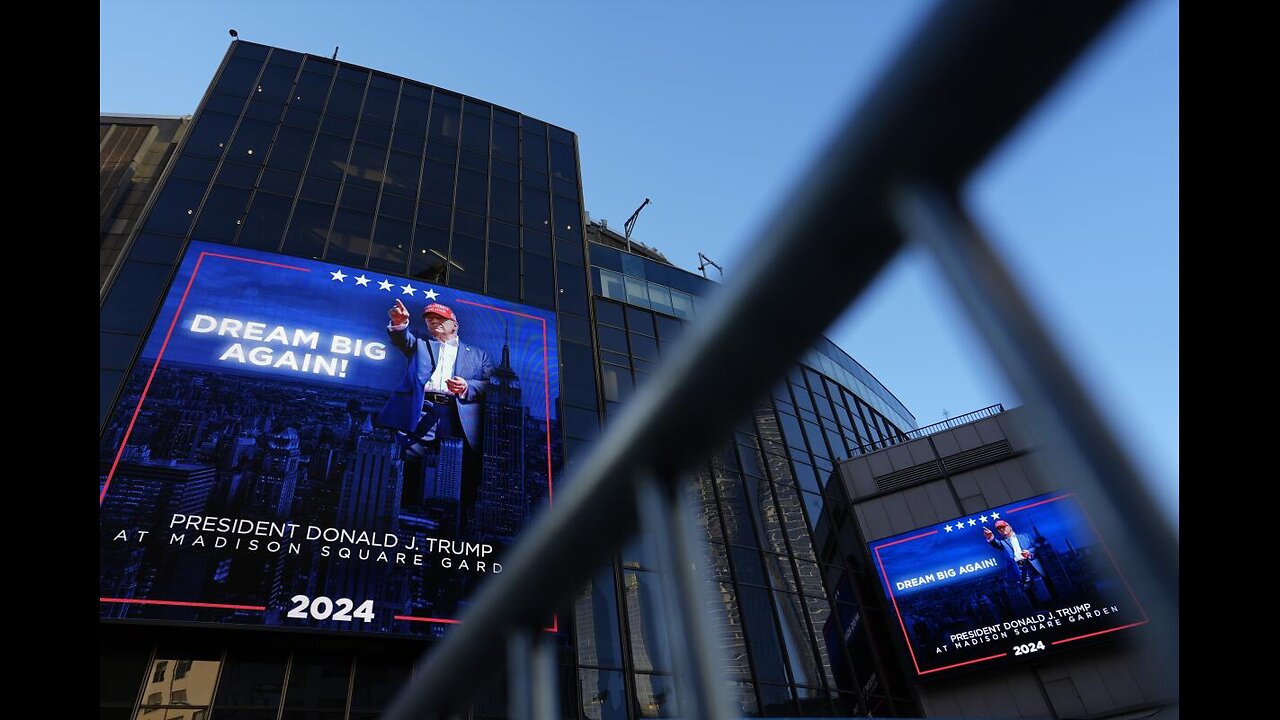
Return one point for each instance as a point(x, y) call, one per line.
point(892, 174)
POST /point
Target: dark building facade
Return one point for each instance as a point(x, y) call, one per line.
point(133, 150)
point(308, 157)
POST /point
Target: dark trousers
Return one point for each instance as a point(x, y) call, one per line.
point(1027, 578)
point(1027, 573)
point(440, 421)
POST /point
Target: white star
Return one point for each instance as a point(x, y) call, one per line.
point(948, 528)
point(431, 294)
point(384, 285)
point(972, 522)
point(362, 280)
point(995, 516)
point(337, 275)
point(408, 289)
point(983, 518)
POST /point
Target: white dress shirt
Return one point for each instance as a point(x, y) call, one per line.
point(444, 363)
point(444, 366)
point(1017, 547)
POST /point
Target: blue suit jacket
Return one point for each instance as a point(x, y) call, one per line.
point(1024, 540)
point(405, 404)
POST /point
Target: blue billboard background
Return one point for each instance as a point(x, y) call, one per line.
point(246, 476)
point(961, 600)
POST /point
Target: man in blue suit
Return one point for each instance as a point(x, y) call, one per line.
point(1019, 548)
point(438, 402)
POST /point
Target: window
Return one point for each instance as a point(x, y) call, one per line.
point(390, 249)
point(637, 292)
point(608, 313)
point(660, 299)
point(176, 207)
point(379, 107)
point(366, 165)
point(611, 285)
point(682, 304)
point(655, 696)
point(603, 695)
point(310, 92)
point(506, 141)
point(597, 612)
point(157, 674)
point(643, 602)
point(444, 123)
point(411, 119)
point(344, 99)
point(237, 174)
point(222, 214)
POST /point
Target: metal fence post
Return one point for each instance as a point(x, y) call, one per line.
point(1077, 442)
point(532, 691)
point(665, 517)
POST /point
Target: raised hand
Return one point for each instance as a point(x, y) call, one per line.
point(398, 313)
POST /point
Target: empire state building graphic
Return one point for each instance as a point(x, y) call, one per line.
point(502, 506)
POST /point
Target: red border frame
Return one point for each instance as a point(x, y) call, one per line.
point(907, 638)
point(124, 441)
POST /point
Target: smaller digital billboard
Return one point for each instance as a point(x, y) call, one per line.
point(1007, 583)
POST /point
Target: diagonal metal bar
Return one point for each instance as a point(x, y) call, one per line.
point(1076, 441)
point(970, 73)
point(668, 522)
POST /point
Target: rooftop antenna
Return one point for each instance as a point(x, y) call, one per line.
point(335, 52)
point(233, 32)
point(630, 224)
point(704, 261)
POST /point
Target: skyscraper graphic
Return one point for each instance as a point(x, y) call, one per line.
point(447, 481)
point(271, 486)
point(369, 501)
point(536, 448)
point(183, 431)
point(418, 600)
point(152, 489)
point(158, 489)
point(503, 507)
point(371, 485)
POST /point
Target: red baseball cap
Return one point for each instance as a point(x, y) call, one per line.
point(1001, 523)
point(438, 309)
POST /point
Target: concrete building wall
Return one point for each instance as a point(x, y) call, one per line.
point(132, 151)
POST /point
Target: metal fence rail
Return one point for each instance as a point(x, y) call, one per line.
point(920, 432)
point(892, 173)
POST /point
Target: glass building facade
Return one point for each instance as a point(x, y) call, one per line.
point(310, 157)
point(795, 642)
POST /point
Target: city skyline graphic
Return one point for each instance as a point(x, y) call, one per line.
point(231, 488)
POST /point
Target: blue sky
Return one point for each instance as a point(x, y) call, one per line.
point(714, 110)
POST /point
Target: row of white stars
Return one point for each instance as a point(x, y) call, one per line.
point(984, 518)
point(361, 281)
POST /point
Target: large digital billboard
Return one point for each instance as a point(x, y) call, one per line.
point(302, 444)
point(1004, 584)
